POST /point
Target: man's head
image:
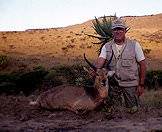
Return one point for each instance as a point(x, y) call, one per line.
point(119, 29)
point(118, 23)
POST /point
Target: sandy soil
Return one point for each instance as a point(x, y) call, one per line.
point(17, 115)
point(66, 45)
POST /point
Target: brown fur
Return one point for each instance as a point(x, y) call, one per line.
point(73, 98)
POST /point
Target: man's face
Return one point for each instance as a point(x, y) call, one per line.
point(119, 33)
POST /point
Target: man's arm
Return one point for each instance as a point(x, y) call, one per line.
point(142, 72)
point(141, 61)
point(102, 58)
point(100, 62)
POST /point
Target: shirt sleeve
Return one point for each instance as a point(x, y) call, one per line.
point(103, 53)
point(139, 52)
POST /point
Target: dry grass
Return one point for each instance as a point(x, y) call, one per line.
point(152, 98)
point(50, 47)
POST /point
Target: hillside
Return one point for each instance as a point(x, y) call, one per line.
point(57, 46)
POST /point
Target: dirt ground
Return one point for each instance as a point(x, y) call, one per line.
point(17, 115)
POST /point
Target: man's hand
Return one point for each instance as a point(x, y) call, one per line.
point(142, 72)
point(140, 90)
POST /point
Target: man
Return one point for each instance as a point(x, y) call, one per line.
point(127, 62)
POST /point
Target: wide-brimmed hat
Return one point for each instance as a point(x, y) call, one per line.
point(119, 23)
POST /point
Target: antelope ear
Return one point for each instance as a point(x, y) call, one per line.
point(90, 72)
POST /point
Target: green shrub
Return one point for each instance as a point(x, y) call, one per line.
point(29, 81)
point(70, 74)
point(146, 51)
point(3, 61)
point(52, 78)
point(26, 82)
point(152, 98)
point(153, 77)
point(8, 88)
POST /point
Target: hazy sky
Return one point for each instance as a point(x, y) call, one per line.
point(28, 14)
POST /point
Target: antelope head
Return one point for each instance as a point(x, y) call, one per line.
point(100, 79)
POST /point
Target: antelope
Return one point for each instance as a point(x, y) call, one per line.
point(75, 98)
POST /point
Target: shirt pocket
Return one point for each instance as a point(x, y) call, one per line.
point(128, 62)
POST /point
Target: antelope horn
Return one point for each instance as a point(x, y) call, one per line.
point(89, 63)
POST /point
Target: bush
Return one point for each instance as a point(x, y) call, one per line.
point(152, 98)
point(146, 51)
point(153, 79)
point(63, 74)
point(14, 83)
point(3, 61)
point(74, 74)
point(28, 82)
point(52, 79)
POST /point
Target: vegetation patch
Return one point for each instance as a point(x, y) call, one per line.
point(3, 61)
point(146, 51)
point(152, 98)
point(69, 74)
point(26, 82)
point(153, 79)
point(39, 78)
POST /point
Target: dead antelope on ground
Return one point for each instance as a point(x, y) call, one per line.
point(75, 98)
